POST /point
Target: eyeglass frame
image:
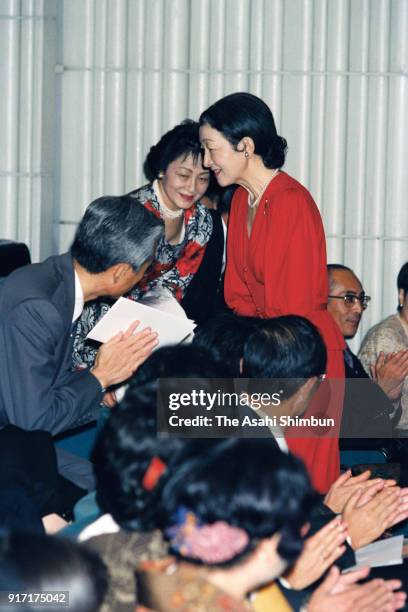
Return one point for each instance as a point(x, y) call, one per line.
point(350, 299)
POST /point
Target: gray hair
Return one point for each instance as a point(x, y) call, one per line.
point(116, 229)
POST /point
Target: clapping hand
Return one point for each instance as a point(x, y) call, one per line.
point(342, 593)
point(346, 485)
point(320, 551)
point(390, 371)
point(120, 357)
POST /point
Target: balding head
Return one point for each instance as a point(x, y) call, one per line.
point(342, 282)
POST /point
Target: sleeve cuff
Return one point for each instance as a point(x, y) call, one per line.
point(103, 389)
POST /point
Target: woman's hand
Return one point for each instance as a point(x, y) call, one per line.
point(344, 487)
point(320, 551)
point(340, 593)
point(390, 371)
point(365, 523)
point(402, 513)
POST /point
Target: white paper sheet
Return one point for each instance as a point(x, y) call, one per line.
point(163, 300)
point(380, 553)
point(171, 329)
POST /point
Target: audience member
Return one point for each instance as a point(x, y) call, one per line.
point(225, 336)
point(39, 305)
point(62, 571)
point(290, 351)
point(195, 301)
point(33, 496)
point(286, 355)
point(367, 410)
point(384, 352)
point(200, 301)
point(225, 544)
point(224, 541)
point(179, 181)
point(129, 460)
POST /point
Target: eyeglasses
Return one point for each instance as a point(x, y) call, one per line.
point(350, 299)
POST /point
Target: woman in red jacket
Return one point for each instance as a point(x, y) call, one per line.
point(276, 249)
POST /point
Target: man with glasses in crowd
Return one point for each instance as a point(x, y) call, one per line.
point(346, 303)
point(368, 412)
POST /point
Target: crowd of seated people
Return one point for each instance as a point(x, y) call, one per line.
point(172, 526)
point(256, 514)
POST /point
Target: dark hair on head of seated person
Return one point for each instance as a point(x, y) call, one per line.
point(247, 484)
point(225, 336)
point(128, 440)
point(33, 562)
point(289, 349)
point(113, 230)
point(241, 115)
point(402, 281)
point(222, 196)
point(180, 141)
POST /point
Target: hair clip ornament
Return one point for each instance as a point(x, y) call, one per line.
point(155, 470)
point(210, 543)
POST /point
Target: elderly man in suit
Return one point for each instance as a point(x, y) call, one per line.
point(367, 409)
point(39, 305)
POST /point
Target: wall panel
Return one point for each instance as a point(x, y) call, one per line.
point(27, 155)
point(333, 71)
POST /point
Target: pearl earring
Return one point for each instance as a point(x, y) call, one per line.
point(246, 154)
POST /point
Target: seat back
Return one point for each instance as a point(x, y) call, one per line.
point(13, 255)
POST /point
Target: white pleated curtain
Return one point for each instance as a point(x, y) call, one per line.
point(90, 85)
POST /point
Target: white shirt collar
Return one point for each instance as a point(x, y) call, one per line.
point(104, 524)
point(280, 440)
point(79, 299)
point(276, 432)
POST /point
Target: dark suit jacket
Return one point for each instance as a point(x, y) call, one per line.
point(366, 410)
point(38, 389)
point(204, 295)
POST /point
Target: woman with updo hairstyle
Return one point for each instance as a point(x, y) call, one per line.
point(233, 517)
point(234, 514)
point(130, 458)
point(276, 247)
point(178, 181)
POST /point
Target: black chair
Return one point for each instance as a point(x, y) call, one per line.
point(13, 255)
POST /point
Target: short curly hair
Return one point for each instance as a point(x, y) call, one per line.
point(180, 141)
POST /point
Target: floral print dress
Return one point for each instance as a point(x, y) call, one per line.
point(173, 268)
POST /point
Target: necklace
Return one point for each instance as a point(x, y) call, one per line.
point(166, 211)
point(260, 194)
